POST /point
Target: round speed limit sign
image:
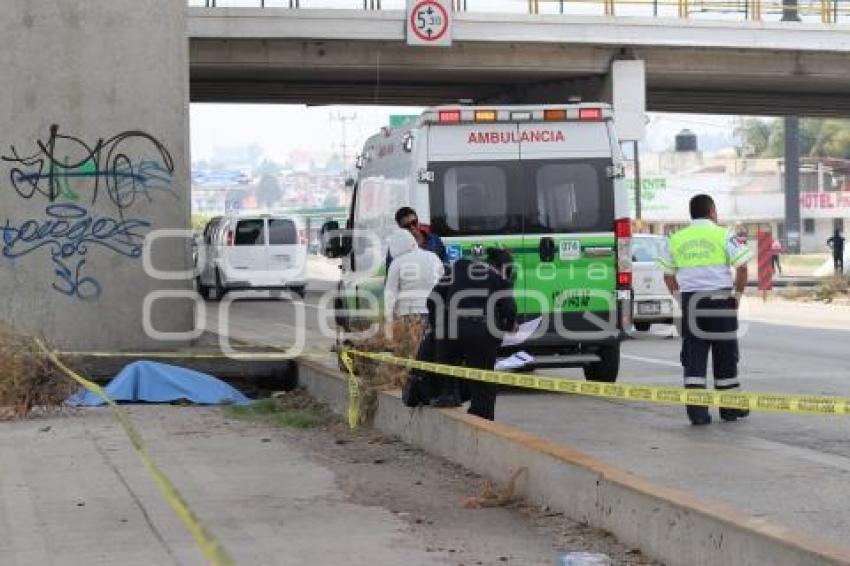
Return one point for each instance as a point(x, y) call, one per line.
point(428, 23)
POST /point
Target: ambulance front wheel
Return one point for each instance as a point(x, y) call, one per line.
point(608, 366)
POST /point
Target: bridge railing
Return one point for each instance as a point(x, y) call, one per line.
point(807, 11)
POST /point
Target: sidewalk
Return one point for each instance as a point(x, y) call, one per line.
point(792, 313)
point(73, 492)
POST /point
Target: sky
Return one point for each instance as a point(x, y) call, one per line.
point(282, 129)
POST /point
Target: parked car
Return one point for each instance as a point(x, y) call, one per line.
point(652, 300)
point(252, 252)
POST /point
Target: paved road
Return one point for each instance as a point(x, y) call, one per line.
point(793, 469)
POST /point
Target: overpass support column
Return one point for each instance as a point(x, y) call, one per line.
point(625, 89)
point(94, 146)
point(792, 183)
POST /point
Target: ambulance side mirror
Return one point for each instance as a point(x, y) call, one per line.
point(335, 243)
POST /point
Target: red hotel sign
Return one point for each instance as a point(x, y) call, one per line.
point(838, 203)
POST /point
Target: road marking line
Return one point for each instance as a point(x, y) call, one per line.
point(667, 363)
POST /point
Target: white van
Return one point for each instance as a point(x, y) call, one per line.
point(544, 182)
point(252, 252)
point(653, 302)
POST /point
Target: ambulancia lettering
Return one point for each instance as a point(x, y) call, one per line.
point(526, 136)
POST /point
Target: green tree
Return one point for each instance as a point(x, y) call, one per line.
point(269, 167)
point(268, 191)
point(756, 134)
point(818, 138)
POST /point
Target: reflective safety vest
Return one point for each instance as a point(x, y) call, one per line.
point(700, 245)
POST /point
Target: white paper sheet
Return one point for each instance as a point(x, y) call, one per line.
point(526, 329)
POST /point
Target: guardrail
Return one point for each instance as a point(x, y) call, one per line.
point(806, 11)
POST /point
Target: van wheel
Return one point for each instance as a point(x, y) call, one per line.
point(203, 290)
point(220, 289)
point(608, 366)
point(642, 326)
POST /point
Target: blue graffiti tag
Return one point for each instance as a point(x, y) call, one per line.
point(68, 232)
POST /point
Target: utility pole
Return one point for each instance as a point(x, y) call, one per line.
point(790, 13)
point(343, 120)
point(637, 181)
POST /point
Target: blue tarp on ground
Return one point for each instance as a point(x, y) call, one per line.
point(154, 382)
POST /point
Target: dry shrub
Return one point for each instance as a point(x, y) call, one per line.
point(794, 292)
point(28, 381)
point(399, 337)
point(831, 289)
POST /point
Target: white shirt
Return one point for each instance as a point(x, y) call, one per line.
point(412, 276)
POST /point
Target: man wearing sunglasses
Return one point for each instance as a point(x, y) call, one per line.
point(407, 219)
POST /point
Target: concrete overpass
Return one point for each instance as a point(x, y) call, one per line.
point(360, 57)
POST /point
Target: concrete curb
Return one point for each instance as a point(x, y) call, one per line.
point(666, 524)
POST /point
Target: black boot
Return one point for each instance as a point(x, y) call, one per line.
point(730, 415)
point(698, 415)
point(449, 395)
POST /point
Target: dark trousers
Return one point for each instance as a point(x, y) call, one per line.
point(475, 347)
point(838, 262)
point(776, 264)
point(427, 382)
point(714, 331)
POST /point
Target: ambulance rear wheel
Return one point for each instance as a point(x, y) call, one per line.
point(608, 366)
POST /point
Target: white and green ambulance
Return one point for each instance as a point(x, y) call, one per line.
point(544, 182)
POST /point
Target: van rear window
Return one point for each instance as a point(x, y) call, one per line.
point(282, 232)
point(250, 233)
point(567, 197)
point(529, 196)
point(472, 199)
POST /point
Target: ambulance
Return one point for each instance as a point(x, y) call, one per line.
point(544, 182)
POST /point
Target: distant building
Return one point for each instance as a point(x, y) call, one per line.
point(748, 193)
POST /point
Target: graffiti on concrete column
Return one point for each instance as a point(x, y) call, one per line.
point(90, 190)
point(105, 166)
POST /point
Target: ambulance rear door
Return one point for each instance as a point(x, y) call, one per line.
point(475, 197)
point(568, 257)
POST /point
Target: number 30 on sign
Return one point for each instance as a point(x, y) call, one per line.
point(429, 22)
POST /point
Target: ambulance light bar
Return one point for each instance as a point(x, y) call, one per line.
point(552, 115)
point(449, 116)
point(583, 113)
point(590, 114)
point(485, 115)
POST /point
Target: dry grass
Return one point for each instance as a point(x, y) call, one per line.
point(399, 337)
point(794, 292)
point(28, 381)
point(831, 289)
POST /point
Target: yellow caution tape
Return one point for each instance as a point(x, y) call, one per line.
point(755, 401)
point(236, 355)
point(210, 546)
point(353, 390)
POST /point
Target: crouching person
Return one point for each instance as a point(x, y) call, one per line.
point(481, 308)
